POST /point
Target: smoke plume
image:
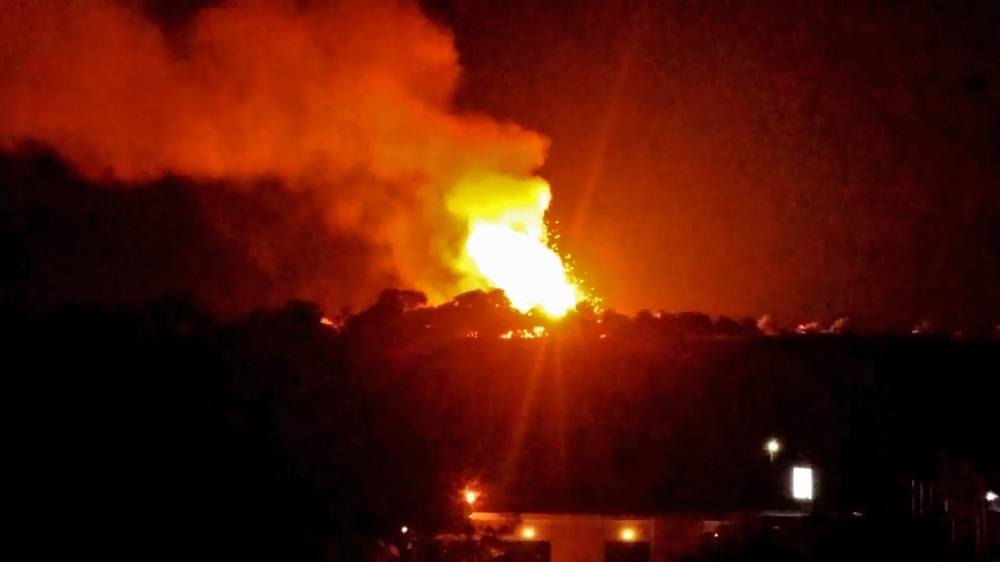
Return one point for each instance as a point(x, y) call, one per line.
point(348, 101)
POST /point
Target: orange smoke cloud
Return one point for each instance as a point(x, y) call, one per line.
point(350, 99)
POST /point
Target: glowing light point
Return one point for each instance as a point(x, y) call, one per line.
point(528, 533)
point(404, 529)
point(991, 496)
point(470, 496)
point(772, 446)
point(627, 534)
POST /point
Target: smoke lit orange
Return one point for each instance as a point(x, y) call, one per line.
point(351, 101)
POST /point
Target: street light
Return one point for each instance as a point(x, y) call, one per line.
point(470, 496)
point(528, 533)
point(628, 534)
point(772, 446)
point(991, 496)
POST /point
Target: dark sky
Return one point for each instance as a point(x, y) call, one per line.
point(809, 159)
point(806, 159)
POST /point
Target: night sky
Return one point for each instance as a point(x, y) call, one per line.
point(809, 160)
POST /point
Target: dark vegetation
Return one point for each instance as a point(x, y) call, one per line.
point(154, 430)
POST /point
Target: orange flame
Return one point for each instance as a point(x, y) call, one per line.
point(508, 243)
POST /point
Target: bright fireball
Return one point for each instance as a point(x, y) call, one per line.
point(507, 242)
point(529, 272)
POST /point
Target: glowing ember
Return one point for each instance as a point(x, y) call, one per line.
point(536, 332)
point(508, 243)
point(336, 323)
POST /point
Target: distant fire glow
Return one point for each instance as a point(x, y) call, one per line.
point(627, 534)
point(524, 334)
point(508, 243)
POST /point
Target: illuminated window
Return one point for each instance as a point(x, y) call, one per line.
point(802, 483)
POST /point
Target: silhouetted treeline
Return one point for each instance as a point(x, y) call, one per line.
point(153, 430)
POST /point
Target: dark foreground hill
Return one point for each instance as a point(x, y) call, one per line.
point(153, 430)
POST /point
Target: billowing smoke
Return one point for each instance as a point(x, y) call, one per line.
point(349, 101)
